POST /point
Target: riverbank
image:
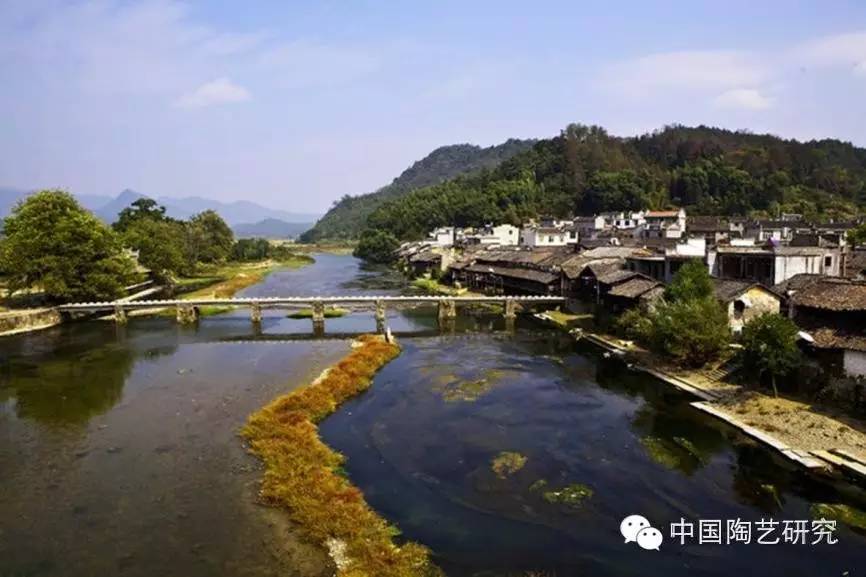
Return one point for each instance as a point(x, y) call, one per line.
point(224, 281)
point(815, 437)
point(304, 476)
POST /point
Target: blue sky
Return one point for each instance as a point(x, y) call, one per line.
point(294, 104)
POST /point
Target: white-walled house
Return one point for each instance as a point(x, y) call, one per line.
point(664, 223)
point(500, 235)
point(625, 220)
point(537, 236)
point(771, 265)
point(442, 236)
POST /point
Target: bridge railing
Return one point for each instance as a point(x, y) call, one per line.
point(300, 300)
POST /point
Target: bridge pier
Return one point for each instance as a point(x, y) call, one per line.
point(380, 310)
point(120, 316)
point(256, 313)
point(186, 314)
point(318, 318)
point(447, 309)
point(510, 308)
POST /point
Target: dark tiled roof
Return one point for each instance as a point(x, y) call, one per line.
point(518, 273)
point(707, 224)
point(614, 276)
point(634, 287)
point(727, 290)
point(601, 267)
point(426, 256)
point(856, 264)
point(797, 282)
point(832, 295)
point(831, 338)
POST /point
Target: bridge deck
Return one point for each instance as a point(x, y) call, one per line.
point(300, 300)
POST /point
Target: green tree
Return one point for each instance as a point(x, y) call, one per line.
point(54, 244)
point(690, 325)
point(857, 236)
point(161, 245)
point(377, 246)
point(250, 249)
point(770, 347)
point(692, 281)
point(141, 209)
point(692, 332)
point(210, 237)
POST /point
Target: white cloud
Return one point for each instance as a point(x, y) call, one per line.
point(841, 50)
point(219, 91)
point(743, 98)
point(860, 68)
point(698, 69)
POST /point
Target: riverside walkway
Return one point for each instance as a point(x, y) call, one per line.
point(187, 310)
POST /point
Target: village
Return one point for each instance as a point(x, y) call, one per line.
point(614, 262)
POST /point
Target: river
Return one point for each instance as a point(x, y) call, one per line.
point(119, 452)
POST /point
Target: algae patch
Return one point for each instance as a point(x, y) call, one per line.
point(453, 390)
point(507, 463)
point(846, 514)
point(571, 495)
point(660, 452)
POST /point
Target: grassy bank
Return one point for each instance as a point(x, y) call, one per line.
point(335, 247)
point(223, 281)
point(303, 475)
point(330, 313)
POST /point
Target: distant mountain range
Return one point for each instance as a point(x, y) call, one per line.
point(271, 228)
point(240, 215)
point(348, 217)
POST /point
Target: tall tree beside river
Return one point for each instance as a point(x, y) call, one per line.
point(52, 243)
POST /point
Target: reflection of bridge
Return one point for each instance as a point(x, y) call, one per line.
point(187, 310)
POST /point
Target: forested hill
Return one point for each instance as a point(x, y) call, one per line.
point(348, 216)
point(585, 170)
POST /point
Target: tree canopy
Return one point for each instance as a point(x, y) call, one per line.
point(688, 325)
point(52, 243)
point(770, 347)
point(377, 246)
point(347, 218)
point(585, 170)
point(211, 238)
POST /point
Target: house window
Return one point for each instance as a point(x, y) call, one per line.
point(550, 238)
point(828, 261)
point(739, 308)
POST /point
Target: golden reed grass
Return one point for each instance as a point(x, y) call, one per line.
point(302, 474)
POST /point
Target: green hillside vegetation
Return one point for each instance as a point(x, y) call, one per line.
point(585, 170)
point(347, 218)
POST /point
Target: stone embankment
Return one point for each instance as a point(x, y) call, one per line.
point(25, 320)
point(817, 439)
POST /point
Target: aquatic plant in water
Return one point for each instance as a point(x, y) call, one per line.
point(571, 495)
point(305, 476)
point(659, 452)
point(507, 463)
point(454, 390)
point(846, 514)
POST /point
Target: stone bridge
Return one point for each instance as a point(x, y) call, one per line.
point(187, 309)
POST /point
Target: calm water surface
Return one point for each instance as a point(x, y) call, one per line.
point(420, 445)
point(119, 454)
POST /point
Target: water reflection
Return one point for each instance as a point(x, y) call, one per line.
point(59, 381)
point(595, 442)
